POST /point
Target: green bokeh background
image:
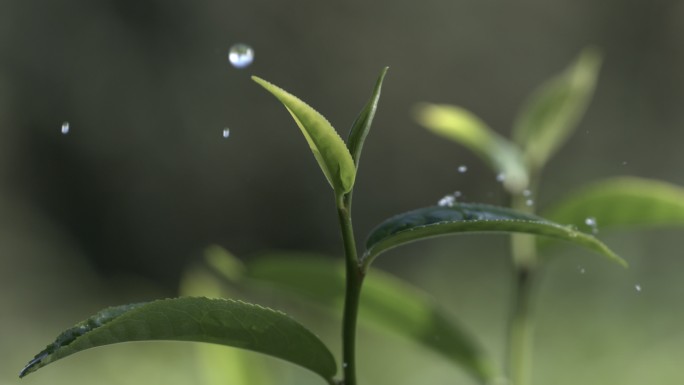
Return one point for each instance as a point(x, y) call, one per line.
point(144, 181)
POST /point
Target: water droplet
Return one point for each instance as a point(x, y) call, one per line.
point(462, 168)
point(226, 132)
point(65, 128)
point(457, 194)
point(344, 365)
point(500, 177)
point(581, 269)
point(637, 287)
point(529, 202)
point(592, 223)
point(241, 55)
point(526, 193)
point(447, 201)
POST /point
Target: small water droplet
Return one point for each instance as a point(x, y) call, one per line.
point(637, 287)
point(344, 365)
point(447, 201)
point(581, 269)
point(526, 193)
point(529, 202)
point(240, 55)
point(462, 168)
point(65, 128)
point(624, 163)
point(500, 177)
point(457, 194)
point(226, 132)
point(592, 223)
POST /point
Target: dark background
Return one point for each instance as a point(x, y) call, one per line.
point(144, 181)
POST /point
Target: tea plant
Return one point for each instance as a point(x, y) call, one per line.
point(390, 302)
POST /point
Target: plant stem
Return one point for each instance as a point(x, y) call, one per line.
point(521, 321)
point(354, 276)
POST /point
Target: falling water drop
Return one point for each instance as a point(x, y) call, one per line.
point(65, 128)
point(226, 132)
point(462, 168)
point(241, 55)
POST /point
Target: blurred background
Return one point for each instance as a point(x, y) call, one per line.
point(117, 208)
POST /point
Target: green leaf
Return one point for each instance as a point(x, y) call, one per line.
point(470, 217)
point(386, 302)
point(463, 127)
point(330, 151)
point(622, 201)
point(238, 366)
point(363, 122)
point(217, 321)
point(550, 116)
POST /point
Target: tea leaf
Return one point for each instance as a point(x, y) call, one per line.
point(386, 303)
point(237, 366)
point(552, 113)
point(470, 217)
point(363, 122)
point(217, 321)
point(328, 148)
point(463, 127)
point(623, 201)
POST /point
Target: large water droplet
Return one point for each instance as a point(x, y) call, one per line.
point(241, 55)
point(226, 132)
point(462, 168)
point(65, 128)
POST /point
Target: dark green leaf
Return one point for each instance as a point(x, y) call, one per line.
point(363, 122)
point(386, 302)
point(463, 127)
point(329, 149)
point(217, 321)
point(623, 201)
point(469, 217)
point(553, 111)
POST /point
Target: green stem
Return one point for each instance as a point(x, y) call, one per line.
point(354, 275)
point(521, 321)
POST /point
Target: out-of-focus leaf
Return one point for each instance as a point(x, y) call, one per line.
point(329, 149)
point(622, 201)
point(217, 321)
point(550, 116)
point(460, 125)
point(386, 302)
point(469, 217)
point(363, 122)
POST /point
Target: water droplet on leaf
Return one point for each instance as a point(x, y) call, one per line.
point(241, 55)
point(462, 168)
point(65, 128)
point(226, 132)
point(592, 223)
point(447, 201)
